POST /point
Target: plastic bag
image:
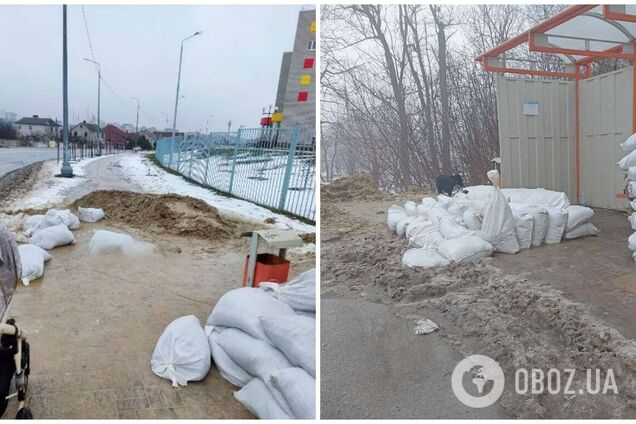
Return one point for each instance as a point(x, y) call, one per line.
point(581, 231)
point(424, 258)
point(465, 249)
point(32, 258)
point(226, 366)
point(240, 308)
point(182, 353)
point(298, 389)
point(90, 214)
point(295, 337)
point(498, 227)
point(50, 237)
point(257, 398)
point(299, 292)
point(578, 215)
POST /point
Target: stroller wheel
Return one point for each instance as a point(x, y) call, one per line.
point(24, 414)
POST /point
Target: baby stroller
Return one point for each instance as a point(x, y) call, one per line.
point(14, 349)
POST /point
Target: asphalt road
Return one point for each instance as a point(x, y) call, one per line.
point(16, 157)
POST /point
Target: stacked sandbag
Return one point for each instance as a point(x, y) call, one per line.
point(260, 342)
point(628, 164)
point(182, 353)
point(578, 224)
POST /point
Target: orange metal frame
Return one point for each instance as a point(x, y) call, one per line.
point(615, 52)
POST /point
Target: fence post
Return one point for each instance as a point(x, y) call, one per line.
point(207, 162)
point(290, 165)
point(236, 150)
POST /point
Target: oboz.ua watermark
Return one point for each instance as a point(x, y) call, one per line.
point(478, 381)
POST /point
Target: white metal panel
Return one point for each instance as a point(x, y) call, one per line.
point(537, 151)
point(605, 122)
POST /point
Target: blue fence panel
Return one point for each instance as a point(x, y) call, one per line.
point(273, 167)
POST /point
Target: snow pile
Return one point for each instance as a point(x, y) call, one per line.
point(484, 219)
point(260, 343)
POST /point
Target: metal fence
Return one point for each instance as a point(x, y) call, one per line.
point(272, 167)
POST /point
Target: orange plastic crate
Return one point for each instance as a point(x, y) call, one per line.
point(269, 267)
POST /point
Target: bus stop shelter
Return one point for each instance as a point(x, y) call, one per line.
point(561, 129)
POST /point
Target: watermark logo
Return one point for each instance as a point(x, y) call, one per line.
point(478, 381)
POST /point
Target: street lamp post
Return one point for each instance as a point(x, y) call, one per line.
point(136, 123)
point(99, 83)
point(176, 102)
point(67, 170)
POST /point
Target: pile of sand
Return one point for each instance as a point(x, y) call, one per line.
point(171, 213)
point(356, 187)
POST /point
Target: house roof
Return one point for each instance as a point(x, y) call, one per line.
point(91, 127)
point(34, 120)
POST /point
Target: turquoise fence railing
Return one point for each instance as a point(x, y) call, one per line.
point(272, 167)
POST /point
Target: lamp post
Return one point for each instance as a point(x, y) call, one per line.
point(176, 101)
point(99, 83)
point(66, 170)
point(207, 122)
point(136, 122)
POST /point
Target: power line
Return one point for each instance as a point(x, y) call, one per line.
point(88, 35)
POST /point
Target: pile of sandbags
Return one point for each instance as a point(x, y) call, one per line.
point(262, 340)
point(628, 164)
point(484, 219)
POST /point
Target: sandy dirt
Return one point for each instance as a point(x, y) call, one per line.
point(93, 322)
point(520, 322)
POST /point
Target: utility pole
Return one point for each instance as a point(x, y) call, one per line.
point(67, 170)
point(176, 102)
point(99, 125)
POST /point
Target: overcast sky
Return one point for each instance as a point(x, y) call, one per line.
point(230, 71)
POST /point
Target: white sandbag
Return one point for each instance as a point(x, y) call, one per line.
point(295, 337)
point(523, 230)
point(429, 202)
point(257, 398)
point(228, 369)
point(631, 173)
point(538, 197)
point(425, 234)
point(498, 227)
point(629, 144)
point(556, 228)
point(632, 204)
point(631, 189)
point(578, 215)
point(402, 225)
point(240, 308)
point(421, 210)
point(627, 161)
point(411, 208)
point(34, 223)
point(472, 219)
point(631, 241)
point(476, 192)
point(256, 357)
point(540, 220)
point(457, 209)
point(54, 236)
point(632, 220)
point(106, 242)
point(56, 216)
point(299, 292)
point(584, 230)
point(298, 389)
point(90, 214)
point(443, 201)
point(416, 226)
point(435, 214)
point(450, 229)
point(465, 249)
point(182, 353)
point(32, 258)
point(424, 258)
point(394, 215)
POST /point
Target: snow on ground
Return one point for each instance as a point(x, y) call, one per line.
point(50, 191)
point(140, 171)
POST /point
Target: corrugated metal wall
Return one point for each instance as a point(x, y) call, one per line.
point(605, 122)
point(537, 151)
